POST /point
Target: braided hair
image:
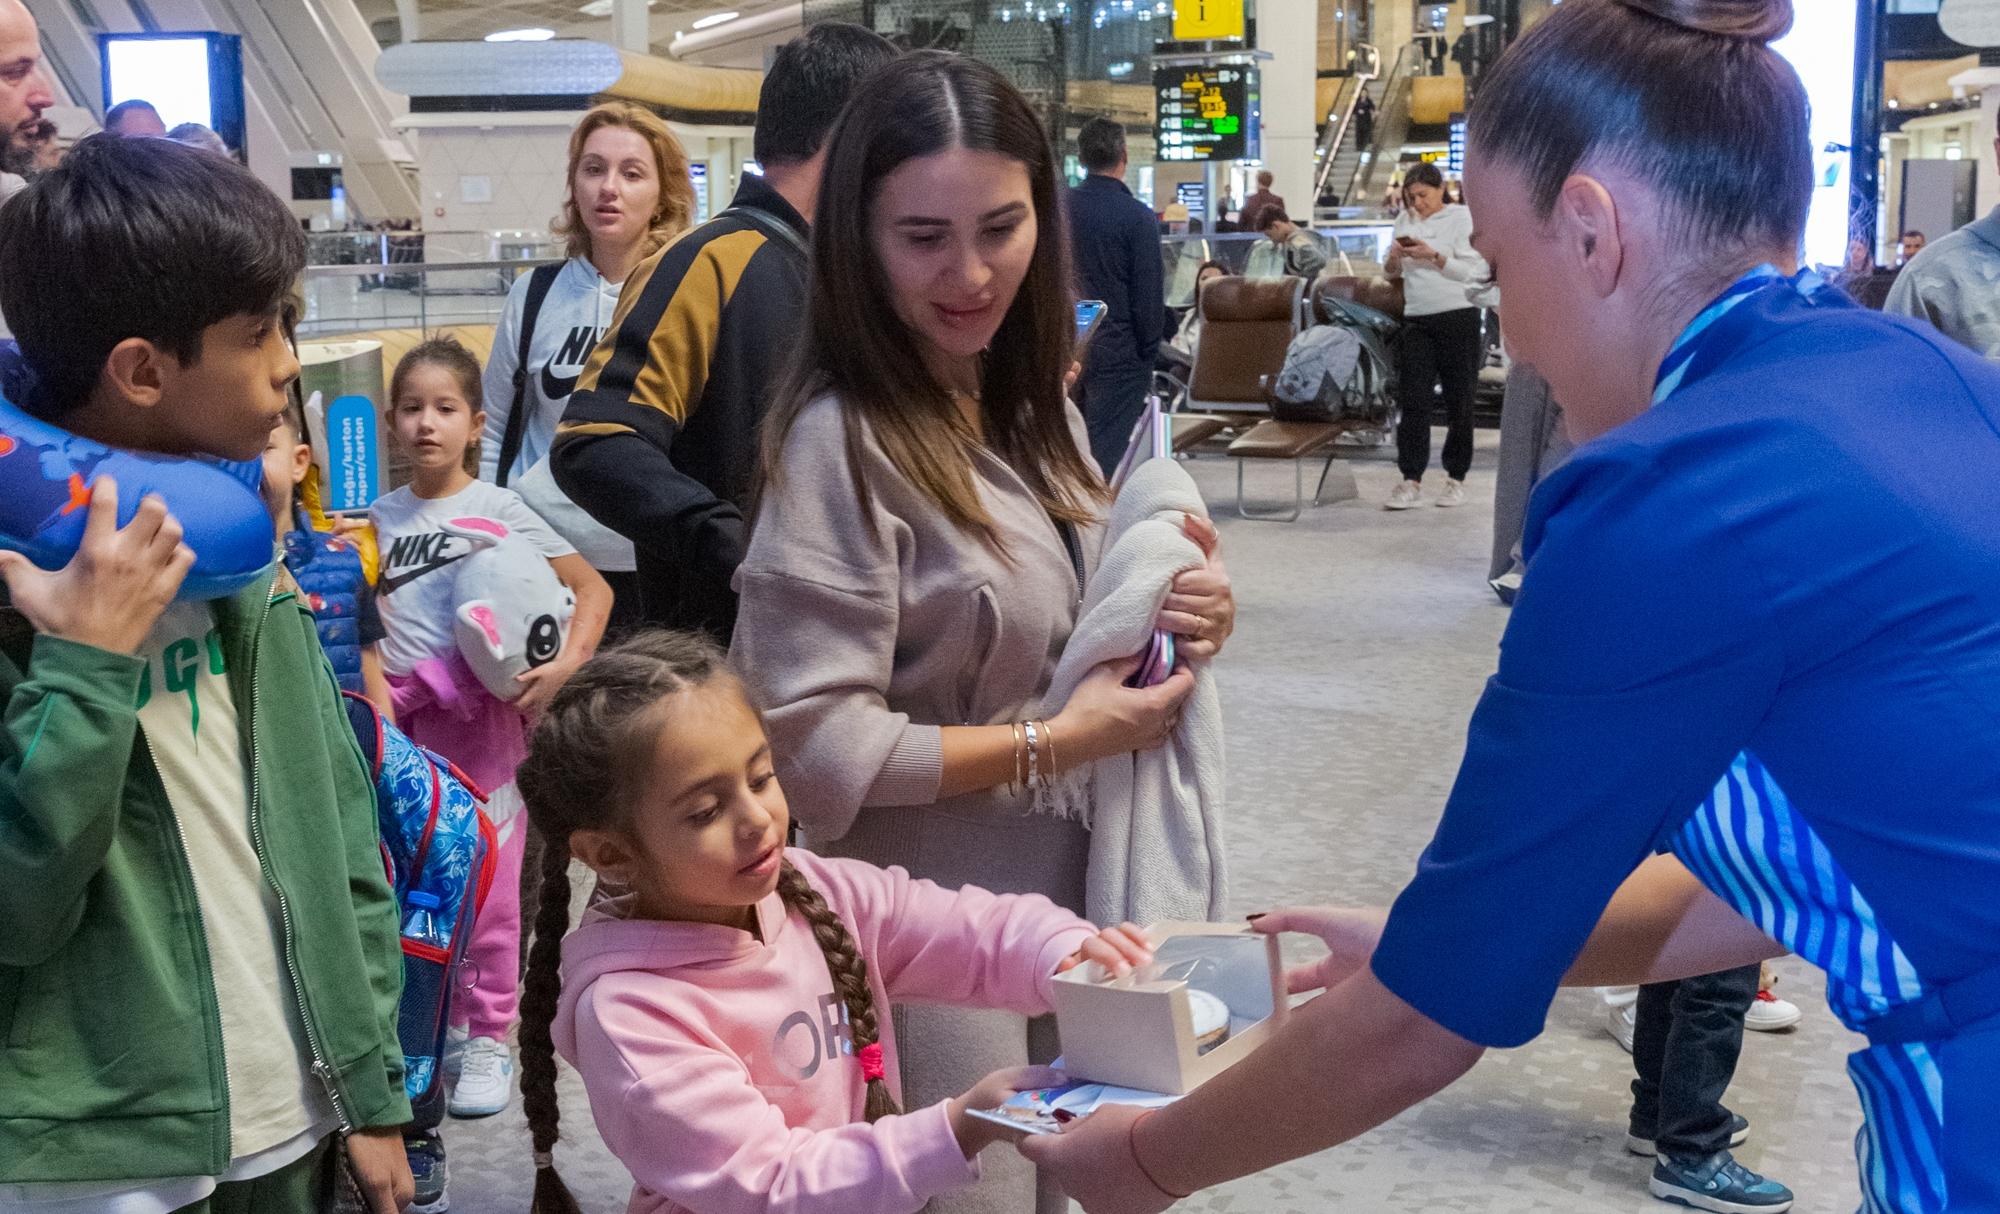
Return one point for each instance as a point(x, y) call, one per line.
point(589, 751)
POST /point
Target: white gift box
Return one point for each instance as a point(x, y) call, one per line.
point(1139, 1031)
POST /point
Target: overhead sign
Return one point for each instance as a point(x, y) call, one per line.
point(1206, 113)
point(1973, 22)
point(1208, 20)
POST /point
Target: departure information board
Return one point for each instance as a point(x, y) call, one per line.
point(1206, 113)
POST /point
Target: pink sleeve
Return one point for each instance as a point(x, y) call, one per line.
point(967, 946)
point(685, 1120)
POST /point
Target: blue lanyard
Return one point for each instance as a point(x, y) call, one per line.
point(1674, 368)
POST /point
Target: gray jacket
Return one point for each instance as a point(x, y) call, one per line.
point(1954, 283)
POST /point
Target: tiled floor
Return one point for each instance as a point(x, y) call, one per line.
point(1363, 642)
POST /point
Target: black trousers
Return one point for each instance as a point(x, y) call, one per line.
point(1112, 399)
point(1432, 351)
point(626, 611)
point(1684, 1047)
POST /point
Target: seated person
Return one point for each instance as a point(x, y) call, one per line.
point(1303, 256)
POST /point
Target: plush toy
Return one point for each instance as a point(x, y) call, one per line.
point(512, 611)
point(46, 474)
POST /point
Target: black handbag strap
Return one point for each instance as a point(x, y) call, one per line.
point(770, 225)
point(539, 282)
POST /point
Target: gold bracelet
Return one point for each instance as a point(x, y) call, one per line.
point(1020, 743)
point(1049, 738)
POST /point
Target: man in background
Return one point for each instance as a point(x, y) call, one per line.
point(1954, 283)
point(134, 119)
point(1258, 203)
point(1117, 249)
point(24, 94)
point(1303, 256)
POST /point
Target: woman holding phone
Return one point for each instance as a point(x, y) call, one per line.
point(1440, 342)
point(929, 518)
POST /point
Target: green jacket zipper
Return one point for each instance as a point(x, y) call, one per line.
point(321, 1068)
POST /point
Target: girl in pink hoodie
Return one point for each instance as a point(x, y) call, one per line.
point(723, 1009)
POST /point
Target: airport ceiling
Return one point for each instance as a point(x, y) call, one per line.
point(468, 19)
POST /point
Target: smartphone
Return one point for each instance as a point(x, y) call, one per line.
point(1408, 242)
point(1089, 313)
point(1157, 663)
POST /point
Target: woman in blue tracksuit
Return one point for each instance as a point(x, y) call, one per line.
point(1759, 631)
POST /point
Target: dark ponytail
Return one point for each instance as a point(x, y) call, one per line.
point(1756, 20)
point(587, 749)
point(1684, 94)
point(850, 977)
point(540, 992)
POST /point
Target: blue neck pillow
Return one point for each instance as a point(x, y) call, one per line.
point(45, 478)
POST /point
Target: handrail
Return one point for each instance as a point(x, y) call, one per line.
point(375, 269)
point(1336, 132)
point(1399, 76)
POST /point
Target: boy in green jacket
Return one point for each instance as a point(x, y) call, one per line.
point(199, 967)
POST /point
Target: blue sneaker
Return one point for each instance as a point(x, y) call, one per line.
point(427, 1167)
point(1718, 1183)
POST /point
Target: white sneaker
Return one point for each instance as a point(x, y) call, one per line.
point(1407, 496)
point(1770, 1014)
point(1453, 495)
point(455, 1038)
point(485, 1079)
point(1621, 1021)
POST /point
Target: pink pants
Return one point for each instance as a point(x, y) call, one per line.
point(489, 995)
point(442, 706)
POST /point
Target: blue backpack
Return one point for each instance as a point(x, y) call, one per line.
point(439, 849)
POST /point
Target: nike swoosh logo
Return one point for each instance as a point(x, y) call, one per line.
point(555, 387)
point(389, 585)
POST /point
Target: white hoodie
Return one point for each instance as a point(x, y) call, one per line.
point(574, 315)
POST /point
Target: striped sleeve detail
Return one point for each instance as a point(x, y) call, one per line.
point(665, 329)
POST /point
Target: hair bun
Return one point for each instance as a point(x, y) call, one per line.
point(1749, 20)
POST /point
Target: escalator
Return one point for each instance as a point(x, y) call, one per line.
point(1338, 153)
point(1392, 129)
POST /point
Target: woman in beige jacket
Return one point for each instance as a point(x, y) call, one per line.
point(927, 523)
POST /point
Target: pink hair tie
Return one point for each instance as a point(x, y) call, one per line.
point(871, 1062)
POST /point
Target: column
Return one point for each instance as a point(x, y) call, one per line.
point(631, 26)
point(1289, 29)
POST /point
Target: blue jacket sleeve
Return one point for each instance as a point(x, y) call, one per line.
point(1640, 658)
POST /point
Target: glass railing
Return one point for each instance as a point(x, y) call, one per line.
point(404, 248)
point(409, 280)
point(430, 295)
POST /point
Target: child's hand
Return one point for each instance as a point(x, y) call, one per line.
point(113, 590)
point(381, 1169)
point(540, 684)
point(976, 1133)
point(1117, 949)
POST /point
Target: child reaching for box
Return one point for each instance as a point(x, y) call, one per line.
point(723, 1010)
point(434, 414)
